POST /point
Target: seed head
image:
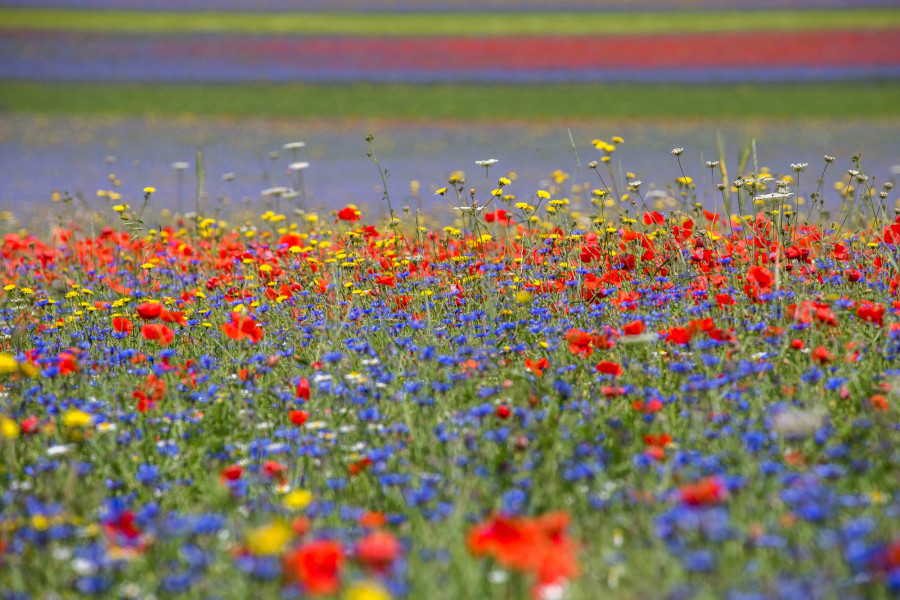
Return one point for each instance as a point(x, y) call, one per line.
point(677, 151)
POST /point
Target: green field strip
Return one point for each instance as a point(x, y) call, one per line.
point(469, 101)
point(447, 24)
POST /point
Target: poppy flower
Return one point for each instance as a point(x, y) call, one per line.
point(761, 276)
point(579, 342)
point(348, 213)
point(158, 332)
point(536, 367)
point(274, 470)
point(172, 317)
point(357, 467)
point(303, 388)
point(155, 386)
point(821, 355)
point(873, 313)
point(149, 310)
point(651, 218)
point(679, 335)
point(122, 325)
point(378, 551)
point(879, 402)
point(242, 327)
point(609, 368)
point(298, 417)
point(540, 545)
point(710, 490)
point(316, 566)
point(30, 425)
point(372, 519)
point(633, 328)
point(68, 363)
point(503, 412)
point(231, 473)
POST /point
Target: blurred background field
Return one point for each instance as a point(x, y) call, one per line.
point(95, 87)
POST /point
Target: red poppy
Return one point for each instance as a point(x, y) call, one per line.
point(298, 417)
point(30, 425)
point(378, 551)
point(122, 325)
point(879, 402)
point(145, 403)
point(540, 545)
point(123, 527)
point(242, 327)
point(609, 368)
point(303, 388)
point(149, 310)
point(158, 332)
point(68, 363)
point(275, 470)
point(679, 335)
point(634, 328)
point(357, 467)
point(172, 317)
point(503, 412)
point(536, 367)
point(231, 473)
point(654, 217)
point(821, 355)
point(761, 276)
point(348, 213)
point(372, 519)
point(661, 440)
point(873, 313)
point(710, 490)
point(579, 342)
point(316, 566)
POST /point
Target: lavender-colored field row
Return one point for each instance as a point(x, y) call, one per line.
point(801, 56)
point(450, 5)
point(41, 154)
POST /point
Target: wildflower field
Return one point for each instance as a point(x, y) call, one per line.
point(598, 389)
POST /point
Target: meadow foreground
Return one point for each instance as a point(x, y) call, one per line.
point(584, 391)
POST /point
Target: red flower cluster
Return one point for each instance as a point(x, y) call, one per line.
point(539, 546)
point(242, 327)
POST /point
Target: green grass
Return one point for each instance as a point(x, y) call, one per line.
point(875, 99)
point(454, 24)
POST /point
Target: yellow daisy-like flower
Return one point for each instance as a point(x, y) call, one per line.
point(9, 429)
point(77, 418)
point(149, 190)
point(297, 500)
point(8, 363)
point(366, 590)
point(543, 194)
point(269, 539)
point(120, 208)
